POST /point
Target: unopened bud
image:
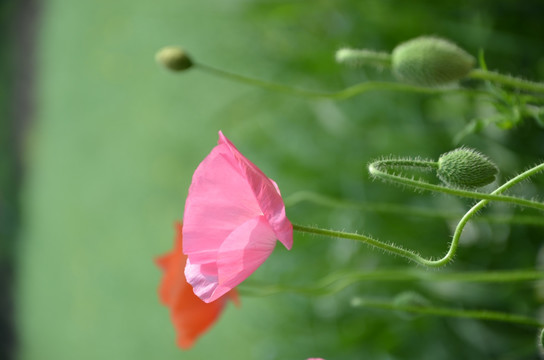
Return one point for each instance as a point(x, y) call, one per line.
point(466, 168)
point(430, 61)
point(174, 58)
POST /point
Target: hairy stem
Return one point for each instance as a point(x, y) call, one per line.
point(418, 184)
point(379, 169)
point(506, 80)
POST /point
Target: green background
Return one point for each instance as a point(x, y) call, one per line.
point(115, 140)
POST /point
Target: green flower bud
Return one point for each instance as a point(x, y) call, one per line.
point(466, 168)
point(174, 58)
point(430, 61)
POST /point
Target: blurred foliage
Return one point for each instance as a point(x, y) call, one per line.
point(9, 177)
point(7, 142)
point(116, 139)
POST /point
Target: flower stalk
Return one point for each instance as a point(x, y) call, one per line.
point(419, 184)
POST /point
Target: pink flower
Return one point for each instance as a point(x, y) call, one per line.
point(190, 315)
point(233, 216)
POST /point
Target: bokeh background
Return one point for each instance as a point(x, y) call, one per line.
point(99, 144)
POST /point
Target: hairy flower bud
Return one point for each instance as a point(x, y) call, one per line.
point(466, 168)
point(174, 58)
point(430, 61)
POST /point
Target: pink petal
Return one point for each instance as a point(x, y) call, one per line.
point(242, 252)
point(233, 215)
point(203, 282)
point(219, 200)
point(267, 193)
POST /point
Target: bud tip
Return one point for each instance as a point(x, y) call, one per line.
point(174, 58)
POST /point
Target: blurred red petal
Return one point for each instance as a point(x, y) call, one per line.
point(191, 316)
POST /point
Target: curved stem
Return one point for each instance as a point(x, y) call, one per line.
point(334, 95)
point(410, 254)
point(376, 169)
point(449, 312)
point(460, 226)
point(391, 248)
point(506, 80)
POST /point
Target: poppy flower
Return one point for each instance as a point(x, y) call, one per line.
point(190, 315)
point(233, 216)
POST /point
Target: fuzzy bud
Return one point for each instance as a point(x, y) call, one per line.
point(430, 61)
point(174, 58)
point(466, 168)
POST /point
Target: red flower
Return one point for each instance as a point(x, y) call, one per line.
point(190, 315)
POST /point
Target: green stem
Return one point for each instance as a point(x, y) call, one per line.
point(383, 60)
point(391, 248)
point(335, 95)
point(506, 80)
point(391, 208)
point(338, 281)
point(449, 312)
point(379, 168)
point(412, 255)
